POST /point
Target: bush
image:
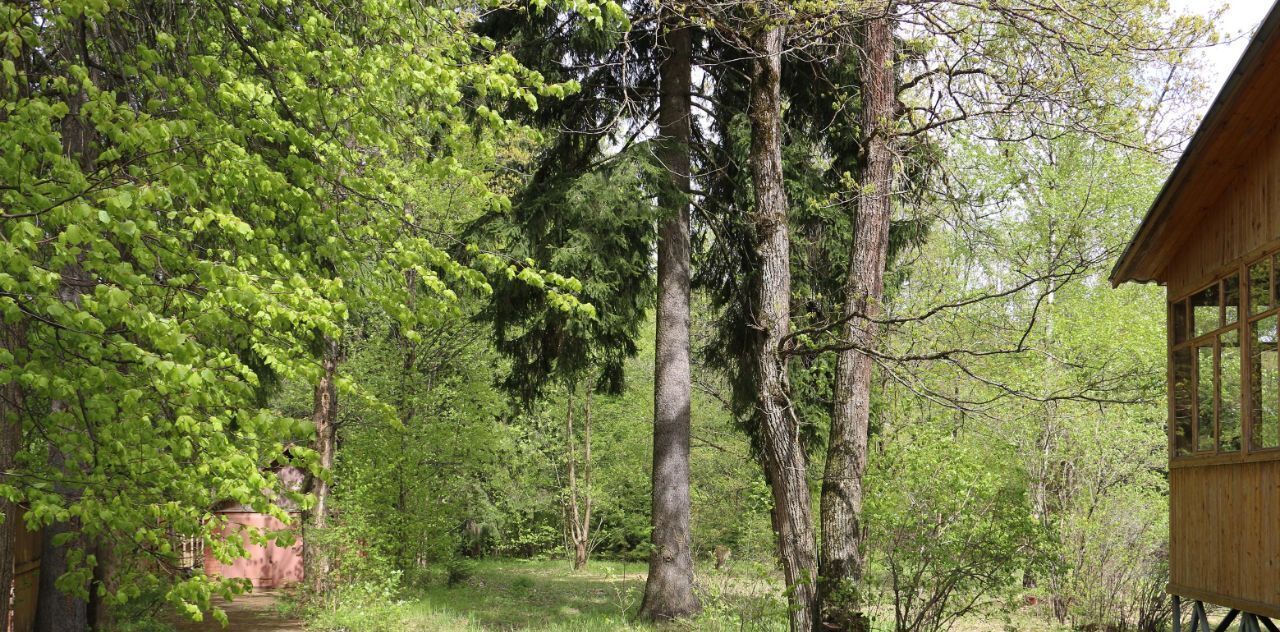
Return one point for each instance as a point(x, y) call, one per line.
point(951, 528)
point(458, 570)
point(364, 606)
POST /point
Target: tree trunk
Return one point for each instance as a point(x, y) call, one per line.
point(316, 561)
point(784, 457)
point(863, 291)
point(668, 591)
point(578, 510)
point(12, 339)
point(58, 611)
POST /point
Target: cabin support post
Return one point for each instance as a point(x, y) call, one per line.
point(1199, 620)
point(1249, 622)
point(1226, 621)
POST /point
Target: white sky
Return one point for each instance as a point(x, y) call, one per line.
point(1242, 17)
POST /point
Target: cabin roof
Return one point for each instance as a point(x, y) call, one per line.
point(1237, 123)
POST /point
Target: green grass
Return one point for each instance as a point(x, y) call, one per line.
point(546, 596)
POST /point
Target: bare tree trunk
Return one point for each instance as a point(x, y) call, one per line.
point(668, 591)
point(316, 561)
point(842, 531)
point(578, 511)
point(784, 457)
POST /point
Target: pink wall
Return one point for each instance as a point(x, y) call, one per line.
point(268, 566)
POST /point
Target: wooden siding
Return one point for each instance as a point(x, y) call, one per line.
point(1243, 223)
point(1223, 538)
point(27, 549)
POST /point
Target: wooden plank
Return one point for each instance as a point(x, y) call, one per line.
point(1218, 599)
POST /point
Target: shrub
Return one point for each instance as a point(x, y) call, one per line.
point(951, 527)
point(458, 570)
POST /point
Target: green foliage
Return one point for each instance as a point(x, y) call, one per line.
point(596, 227)
point(184, 190)
point(367, 606)
point(458, 570)
point(951, 526)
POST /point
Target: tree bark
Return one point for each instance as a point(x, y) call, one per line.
point(316, 561)
point(56, 610)
point(784, 457)
point(863, 291)
point(578, 511)
point(13, 340)
point(668, 591)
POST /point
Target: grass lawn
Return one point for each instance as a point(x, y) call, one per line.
point(547, 596)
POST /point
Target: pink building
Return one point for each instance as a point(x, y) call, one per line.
point(268, 566)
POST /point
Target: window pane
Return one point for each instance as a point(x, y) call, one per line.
point(1229, 391)
point(1264, 384)
point(1182, 401)
point(1275, 278)
point(1204, 310)
point(1230, 299)
point(1260, 286)
point(1178, 321)
point(1204, 399)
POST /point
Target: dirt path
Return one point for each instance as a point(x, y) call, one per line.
point(255, 612)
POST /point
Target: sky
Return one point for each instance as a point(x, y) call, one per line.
point(1242, 16)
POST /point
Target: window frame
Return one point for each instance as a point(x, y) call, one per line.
point(1243, 327)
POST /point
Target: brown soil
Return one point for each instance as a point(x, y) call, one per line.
point(254, 612)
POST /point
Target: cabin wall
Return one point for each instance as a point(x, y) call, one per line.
point(1224, 544)
point(27, 549)
point(1223, 541)
point(1245, 223)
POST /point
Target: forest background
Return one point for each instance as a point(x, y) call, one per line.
point(413, 248)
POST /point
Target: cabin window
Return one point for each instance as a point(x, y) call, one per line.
point(1224, 364)
point(1204, 398)
point(1230, 299)
point(1205, 311)
point(1183, 430)
point(1259, 287)
point(1264, 354)
point(1179, 322)
point(1275, 278)
point(1264, 383)
point(1205, 374)
point(1229, 391)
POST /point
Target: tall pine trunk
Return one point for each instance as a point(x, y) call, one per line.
point(784, 457)
point(668, 591)
point(316, 561)
point(842, 531)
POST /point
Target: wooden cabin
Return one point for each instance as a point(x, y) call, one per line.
point(1212, 239)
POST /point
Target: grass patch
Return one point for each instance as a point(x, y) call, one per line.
point(548, 596)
